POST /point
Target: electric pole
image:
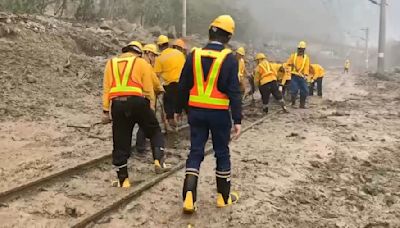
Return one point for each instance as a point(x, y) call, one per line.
point(382, 38)
point(183, 18)
point(366, 47)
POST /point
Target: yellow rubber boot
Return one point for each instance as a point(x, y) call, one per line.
point(225, 196)
point(159, 160)
point(160, 168)
point(125, 184)
point(189, 206)
point(233, 198)
point(190, 192)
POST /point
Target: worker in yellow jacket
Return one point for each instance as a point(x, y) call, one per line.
point(286, 79)
point(281, 75)
point(168, 66)
point(150, 52)
point(128, 85)
point(318, 73)
point(180, 45)
point(346, 66)
point(277, 67)
point(300, 70)
point(240, 53)
point(265, 79)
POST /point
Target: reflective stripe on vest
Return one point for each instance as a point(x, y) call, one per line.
point(124, 86)
point(295, 70)
point(206, 94)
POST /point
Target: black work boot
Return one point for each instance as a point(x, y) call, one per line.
point(159, 160)
point(293, 100)
point(303, 102)
point(224, 195)
point(189, 192)
point(265, 109)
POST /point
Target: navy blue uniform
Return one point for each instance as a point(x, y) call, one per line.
point(219, 122)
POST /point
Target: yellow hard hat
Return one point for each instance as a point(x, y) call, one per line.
point(180, 43)
point(136, 44)
point(162, 40)
point(224, 22)
point(260, 56)
point(241, 51)
point(151, 48)
point(302, 44)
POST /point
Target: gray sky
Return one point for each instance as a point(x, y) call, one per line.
point(333, 20)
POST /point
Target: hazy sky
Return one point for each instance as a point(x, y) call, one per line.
point(324, 19)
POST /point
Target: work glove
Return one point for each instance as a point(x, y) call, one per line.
point(280, 88)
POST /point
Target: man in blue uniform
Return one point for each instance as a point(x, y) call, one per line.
point(209, 85)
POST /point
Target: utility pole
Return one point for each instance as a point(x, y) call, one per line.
point(382, 38)
point(382, 35)
point(184, 18)
point(366, 47)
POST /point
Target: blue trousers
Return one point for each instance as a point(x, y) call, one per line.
point(298, 83)
point(202, 122)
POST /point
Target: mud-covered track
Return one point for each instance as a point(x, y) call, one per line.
point(66, 173)
point(146, 185)
point(27, 187)
point(51, 197)
point(12, 193)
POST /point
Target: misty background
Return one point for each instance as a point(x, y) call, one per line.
point(332, 28)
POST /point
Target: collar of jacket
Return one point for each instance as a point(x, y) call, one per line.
point(128, 54)
point(214, 45)
point(216, 42)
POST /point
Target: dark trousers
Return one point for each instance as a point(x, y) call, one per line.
point(286, 88)
point(126, 112)
point(140, 141)
point(270, 88)
point(317, 82)
point(346, 70)
point(170, 99)
point(202, 122)
point(299, 83)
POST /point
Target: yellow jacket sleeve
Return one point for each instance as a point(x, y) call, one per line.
point(242, 69)
point(107, 82)
point(158, 66)
point(257, 77)
point(322, 73)
point(306, 70)
point(145, 78)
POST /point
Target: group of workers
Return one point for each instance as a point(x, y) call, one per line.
point(208, 84)
point(296, 75)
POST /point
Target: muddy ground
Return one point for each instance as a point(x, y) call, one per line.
point(336, 164)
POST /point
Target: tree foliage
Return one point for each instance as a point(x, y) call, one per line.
point(162, 13)
point(25, 6)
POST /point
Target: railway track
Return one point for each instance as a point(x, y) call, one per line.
point(80, 195)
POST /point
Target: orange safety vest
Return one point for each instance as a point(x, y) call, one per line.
point(124, 86)
point(205, 94)
point(294, 68)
